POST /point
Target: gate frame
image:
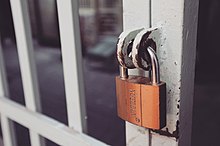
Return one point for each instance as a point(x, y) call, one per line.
point(178, 22)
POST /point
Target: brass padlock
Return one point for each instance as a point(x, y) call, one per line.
point(142, 100)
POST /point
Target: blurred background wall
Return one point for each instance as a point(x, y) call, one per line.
point(97, 17)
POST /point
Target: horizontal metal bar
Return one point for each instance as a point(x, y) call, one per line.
point(45, 126)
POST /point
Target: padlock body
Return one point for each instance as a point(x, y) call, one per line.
point(153, 103)
point(140, 103)
point(121, 98)
point(129, 99)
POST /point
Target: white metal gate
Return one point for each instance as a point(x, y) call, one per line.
point(30, 115)
point(179, 20)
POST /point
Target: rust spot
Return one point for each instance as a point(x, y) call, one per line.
point(175, 133)
point(169, 91)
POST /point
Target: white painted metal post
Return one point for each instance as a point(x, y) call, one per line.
point(177, 59)
point(27, 60)
point(178, 20)
point(136, 14)
point(72, 63)
point(9, 136)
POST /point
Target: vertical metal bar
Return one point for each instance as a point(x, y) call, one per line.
point(8, 131)
point(179, 25)
point(72, 63)
point(135, 19)
point(27, 60)
point(179, 21)
point(3, 77)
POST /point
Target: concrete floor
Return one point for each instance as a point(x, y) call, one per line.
point(100, 97)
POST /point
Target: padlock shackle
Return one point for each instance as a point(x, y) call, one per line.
point(155, 68)
point(123, 72)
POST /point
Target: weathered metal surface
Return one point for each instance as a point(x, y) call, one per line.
point(178, 20)
point(124, 48)
point(148, 37)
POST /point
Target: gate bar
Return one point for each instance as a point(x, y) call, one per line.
point(8, 131)
point(26, 56)
point(72, 63)
point(46, 126)
point(178, 20)
point(177, 58)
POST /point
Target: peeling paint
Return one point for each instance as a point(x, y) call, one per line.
point(178, 106)
point(173, 52)
point(124, 48)
point(166, 132)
